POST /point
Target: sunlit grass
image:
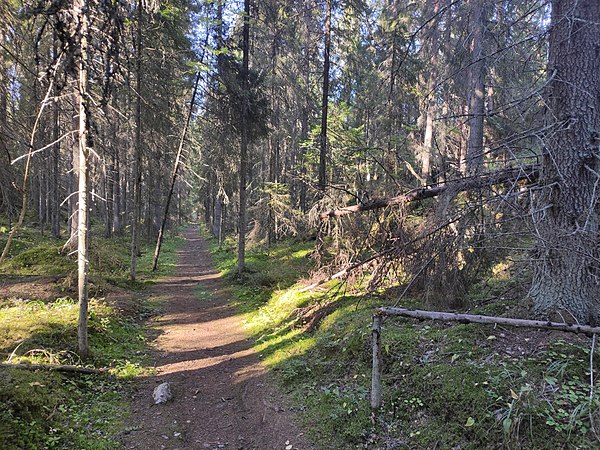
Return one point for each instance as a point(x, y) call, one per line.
point(445, 386)
point(57, 410)
point(53, 410)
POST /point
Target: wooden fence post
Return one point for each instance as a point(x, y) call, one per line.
point(376, 373)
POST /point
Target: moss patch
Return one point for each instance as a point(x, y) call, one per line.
point(445, 385)
point(54, 410)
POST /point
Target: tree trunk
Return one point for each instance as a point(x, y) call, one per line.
point(81, 11)
point(566, 214)
point(73, 186)
point(7, 192)
point(174, 174)
point(431, 49)
point(109, 187)
point(218, 217)
point(244, 141)
point(325, 98)
point(476, 76)
point(54, 185)
point(116, 194)
point(274, 143)
point(306, 106)
point(483, 181)
point(137, 159)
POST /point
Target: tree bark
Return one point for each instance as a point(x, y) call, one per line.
point(377, 362)
point(325, 98)
point(431, 38)
point(306, 107)
point(566, 212)
point(476, 318)
point(55, 186)
point(81, 12)
point(109, 187)
point(244, 141)
point(73, 184)
point(476, 90)
point(137, 158)
point(274, 139)
point(116, 194)
point(7, 192)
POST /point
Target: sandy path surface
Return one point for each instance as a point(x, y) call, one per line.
point(222, 397)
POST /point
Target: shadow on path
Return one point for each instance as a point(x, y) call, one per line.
point(221, 393)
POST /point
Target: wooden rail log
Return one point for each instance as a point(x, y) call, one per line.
point(492, 320)
point(453, 317)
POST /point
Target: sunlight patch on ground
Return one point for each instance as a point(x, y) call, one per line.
point(201, 363)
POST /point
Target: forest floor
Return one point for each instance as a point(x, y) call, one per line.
point(222, 396)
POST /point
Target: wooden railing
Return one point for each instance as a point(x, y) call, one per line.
point(381, 313)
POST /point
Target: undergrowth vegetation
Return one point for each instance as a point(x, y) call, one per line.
point(38, 324)
point(445, 386)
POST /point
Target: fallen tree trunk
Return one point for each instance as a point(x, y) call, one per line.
point(57, 368)
point(492, 320)
point(530, 173)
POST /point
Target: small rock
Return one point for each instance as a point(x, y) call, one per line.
point(162, 393)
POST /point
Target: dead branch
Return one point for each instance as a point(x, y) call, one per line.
point(529, 173)
point(350, 268)
point(359, 264)
point(25, 189)
point(57, 368)
point(473, 318)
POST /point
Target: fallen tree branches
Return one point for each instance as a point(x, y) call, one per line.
point(529, 173)
point(343, 272)
point(57, 368)
point(475, 318)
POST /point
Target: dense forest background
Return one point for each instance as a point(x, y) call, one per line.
point(299, 108)
point(436, 154)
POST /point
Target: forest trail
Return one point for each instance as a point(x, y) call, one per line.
point(222, 397)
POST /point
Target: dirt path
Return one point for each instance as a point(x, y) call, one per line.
point(222, 397)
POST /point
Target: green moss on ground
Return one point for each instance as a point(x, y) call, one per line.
point(54, 410)
point(445, 386)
